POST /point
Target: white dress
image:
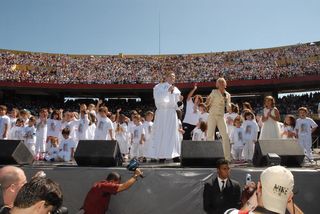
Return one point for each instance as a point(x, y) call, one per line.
point(165, 140)
point(270, 128)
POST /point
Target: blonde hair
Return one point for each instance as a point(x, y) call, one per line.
point(269, 98)
point(303, 109)
point(221, 79)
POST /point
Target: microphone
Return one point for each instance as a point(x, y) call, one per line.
point(173, 88)
point(224, 94)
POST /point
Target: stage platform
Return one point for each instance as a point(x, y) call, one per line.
point(166, 188)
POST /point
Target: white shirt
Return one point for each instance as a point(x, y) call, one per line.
point(192, 115)
point(82, 127)
point(203, 116)
point(91, 131)
point(12, 122)
point(305, 126)
point(16, 133)
point(41, 127)
point(104, 125)
point(237, 137)
point(29, 134)
point(198, 135)
point(4, 120)
point(53, 127)
point(136, 132)
point(251, 130)
point(121, 131)
point(66, 145)
point(147, 129)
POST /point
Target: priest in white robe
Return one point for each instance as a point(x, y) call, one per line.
point(165, 142)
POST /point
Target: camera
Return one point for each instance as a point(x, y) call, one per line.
point(60, 210)
point(248, 179)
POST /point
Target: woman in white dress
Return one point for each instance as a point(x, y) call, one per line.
point(270, 128)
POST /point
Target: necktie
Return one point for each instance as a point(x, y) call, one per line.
point(223, 185)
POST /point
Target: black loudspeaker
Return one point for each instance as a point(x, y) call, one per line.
point(201, 153)
point(14, 152)
point(289, 150)
point(98, 153)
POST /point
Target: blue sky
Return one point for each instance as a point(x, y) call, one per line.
point(131, 26)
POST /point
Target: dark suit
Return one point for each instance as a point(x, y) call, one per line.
point(215, 201)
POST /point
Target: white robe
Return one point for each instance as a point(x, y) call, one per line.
point(165, 143)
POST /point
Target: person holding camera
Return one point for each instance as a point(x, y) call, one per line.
point(98, 198)
point(272, 194)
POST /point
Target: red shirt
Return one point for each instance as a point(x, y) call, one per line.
point(98, 198)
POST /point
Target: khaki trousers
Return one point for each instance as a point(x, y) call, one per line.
point(218, 121)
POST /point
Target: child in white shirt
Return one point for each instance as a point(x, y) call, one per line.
point(104, 129)
point(30, 135)
point(14, 114)
point(199, 133)
point(83, 123)
point(230, 116)
point(4, 123)
point(122, 136)
point(41, 134)
point(66, 146)
point(17, 131)
point(53, 150)
point(92, 126)
point(53, 126)
point(137, 139)
point(288, 127)
point(203, 114)
point(147, 125)
point(70, 121)
point(251, 129)
point(237, 139)
point(304, 128)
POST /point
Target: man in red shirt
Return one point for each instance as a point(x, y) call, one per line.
point(98, 198)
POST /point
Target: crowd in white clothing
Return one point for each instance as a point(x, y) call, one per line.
point(246, 128)
point(54, 135)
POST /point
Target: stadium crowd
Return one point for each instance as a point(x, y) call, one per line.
point(282, 62)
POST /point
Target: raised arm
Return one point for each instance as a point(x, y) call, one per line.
point(98, 105)
point(192, 92)
point(126, 185)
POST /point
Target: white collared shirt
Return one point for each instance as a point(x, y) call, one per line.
point(221, 184)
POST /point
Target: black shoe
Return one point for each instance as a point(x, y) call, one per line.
point(162, 160)
point(144, 160)
point(176, 160)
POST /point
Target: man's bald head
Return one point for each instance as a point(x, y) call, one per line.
point(11, 175)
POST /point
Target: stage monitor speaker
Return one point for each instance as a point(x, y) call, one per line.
point(102, 153)
point(289, 150)
point(14, 152)
point(201, 153)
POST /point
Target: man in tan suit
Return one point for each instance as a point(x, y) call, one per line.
point(217, 101)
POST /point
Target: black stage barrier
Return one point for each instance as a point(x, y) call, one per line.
point(165, 190)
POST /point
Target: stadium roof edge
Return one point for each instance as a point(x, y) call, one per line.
point(157, 55)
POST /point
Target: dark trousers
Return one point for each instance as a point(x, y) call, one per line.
point(188, 129)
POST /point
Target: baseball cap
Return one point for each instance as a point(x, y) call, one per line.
point(277, 185)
